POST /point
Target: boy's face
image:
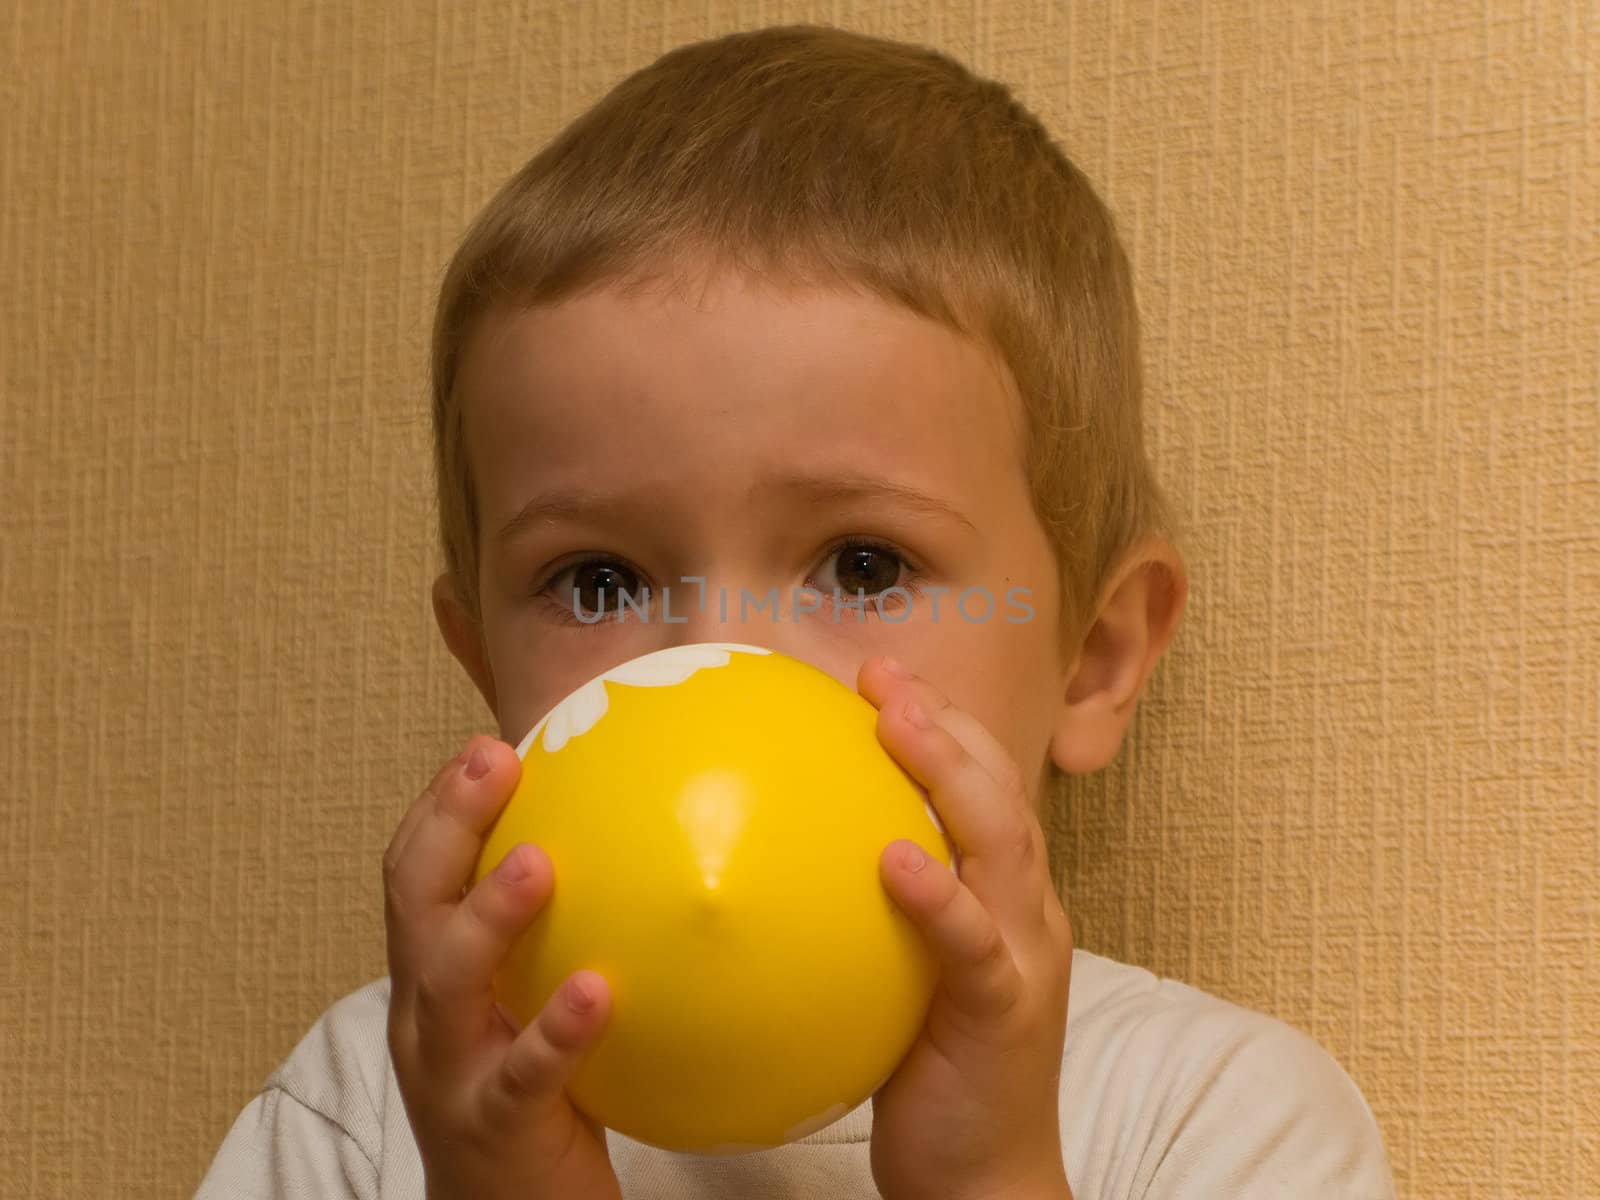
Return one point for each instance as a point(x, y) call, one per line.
point(752, 438)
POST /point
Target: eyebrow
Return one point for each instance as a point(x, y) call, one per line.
point(811, 489)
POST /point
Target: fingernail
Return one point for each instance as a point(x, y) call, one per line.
point(477, 763)
point(916, 715)
point(897, 668)
point(514, 865)
point(578, 998)
point(912, 858)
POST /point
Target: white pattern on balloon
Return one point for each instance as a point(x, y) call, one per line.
point(582, 710)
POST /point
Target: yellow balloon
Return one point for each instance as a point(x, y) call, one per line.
point(714, 814)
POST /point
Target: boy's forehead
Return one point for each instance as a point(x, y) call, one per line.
point(744, 376)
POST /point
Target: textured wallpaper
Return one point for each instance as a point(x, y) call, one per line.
point(1364, 794)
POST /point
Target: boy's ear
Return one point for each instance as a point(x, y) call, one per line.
point(462, 636)
point(1138, 614)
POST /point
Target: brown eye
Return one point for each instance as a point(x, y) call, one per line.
point(597, 586)
point(865, 568)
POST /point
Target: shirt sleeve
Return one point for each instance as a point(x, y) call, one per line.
point(280, 1149)
point(1272, 1114)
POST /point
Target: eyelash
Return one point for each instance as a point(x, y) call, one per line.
point(911, 584)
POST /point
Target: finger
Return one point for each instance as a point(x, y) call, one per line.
point(414, 812)
point(493, 751)
point(1002, 847)
point(537, 1065)
point(399, 937)
point(454, 991)
point(977, 971)
point(880, 682)
point(433, 866)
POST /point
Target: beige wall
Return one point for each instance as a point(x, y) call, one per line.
point(1364, 794)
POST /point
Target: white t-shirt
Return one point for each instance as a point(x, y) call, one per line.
point(1167, 1093)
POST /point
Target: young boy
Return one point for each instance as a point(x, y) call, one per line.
point(801, 309)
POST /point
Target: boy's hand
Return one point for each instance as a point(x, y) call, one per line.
point(972, 1110)
point(487, 1104)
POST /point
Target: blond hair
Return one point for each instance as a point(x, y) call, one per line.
point(826, 157)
